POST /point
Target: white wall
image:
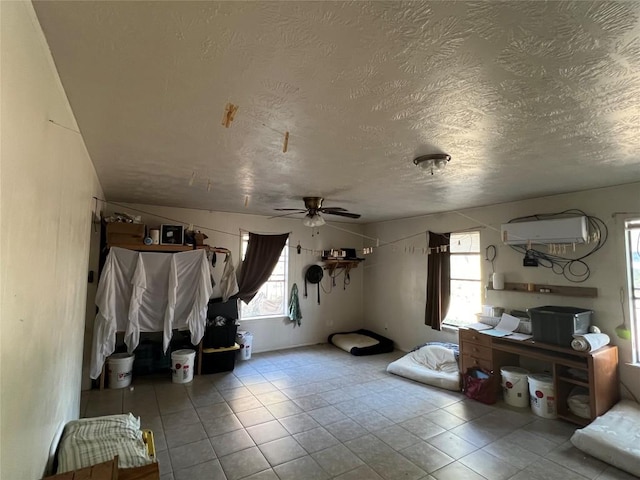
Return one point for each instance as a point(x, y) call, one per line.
point(339, 310)
point(46, 188)
point(92, 289)
point(395, 281)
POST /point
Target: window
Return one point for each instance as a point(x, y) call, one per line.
point(466, 288)
point(271, 299)
point(633, 276)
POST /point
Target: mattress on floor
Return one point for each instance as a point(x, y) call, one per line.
point(361, 342)
point(90, 441)
point(431, 364)
point(614, 437)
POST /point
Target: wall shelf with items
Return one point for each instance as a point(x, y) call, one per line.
point(543, 289)
point(347, 265)
point(141, 247)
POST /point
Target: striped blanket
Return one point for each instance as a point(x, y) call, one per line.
point(89, 441)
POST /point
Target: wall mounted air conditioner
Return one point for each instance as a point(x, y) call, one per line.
point(543, 232)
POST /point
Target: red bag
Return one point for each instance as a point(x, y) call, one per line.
point(480, 384)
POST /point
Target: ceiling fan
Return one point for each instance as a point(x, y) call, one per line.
point(314, 209)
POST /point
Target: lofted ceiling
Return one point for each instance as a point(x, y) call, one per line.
point(529, 98)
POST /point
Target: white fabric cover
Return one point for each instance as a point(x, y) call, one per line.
point(191, 295)
point(152, 299)
point(346, 341)
point(225, 284)
point(432, 364)
point(228, 282)
point(112, 298)
point(614, 437)
point(149, 292)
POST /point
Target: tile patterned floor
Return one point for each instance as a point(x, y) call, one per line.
point(320, 413)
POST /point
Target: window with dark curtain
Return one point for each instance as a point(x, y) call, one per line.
point(438, 284)
point(263, 252)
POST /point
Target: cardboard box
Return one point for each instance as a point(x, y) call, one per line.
point(148, 472)
point(200, 238)
point(102, 471)
point(125, 233)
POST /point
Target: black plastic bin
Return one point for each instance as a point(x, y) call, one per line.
point(224, 361)
point(150, 359)
point(557, 325)
point(220, 337)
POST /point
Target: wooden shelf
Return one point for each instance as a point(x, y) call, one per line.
point(584, 292)
point(221, 349)
point(332, 265)
point(570, 417)
point(141, 247)
point(535, 352)
point(574, 381)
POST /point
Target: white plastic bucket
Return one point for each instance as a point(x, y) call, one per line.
point(182, 365)
point(515, 386)
point(120, 368)
point(245, 340)
point(542, 395)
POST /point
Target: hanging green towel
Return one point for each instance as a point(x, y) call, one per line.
point(294, 306)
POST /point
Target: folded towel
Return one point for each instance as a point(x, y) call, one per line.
point(589, 341)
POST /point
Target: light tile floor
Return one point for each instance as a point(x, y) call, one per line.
point(319, 413)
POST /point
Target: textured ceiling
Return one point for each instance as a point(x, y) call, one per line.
point(529, 98)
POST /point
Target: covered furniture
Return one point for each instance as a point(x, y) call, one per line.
point(90, 441)
point(361, 342)
point(149, 292)
point(432, 364)
point(614, 437)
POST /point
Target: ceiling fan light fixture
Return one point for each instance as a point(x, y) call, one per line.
point(432, 161)
point(313, 220)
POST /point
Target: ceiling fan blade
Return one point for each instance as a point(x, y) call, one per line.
point(333, 209)
point(342, 214)
point(299, 210)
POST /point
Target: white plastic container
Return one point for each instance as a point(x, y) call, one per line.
point(182, 362)
point(515, 387)
point(245, 340)
point(498, 281)
point(120, 368)
point(542, 395)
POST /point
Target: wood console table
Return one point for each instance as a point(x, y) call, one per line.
point(596, 371)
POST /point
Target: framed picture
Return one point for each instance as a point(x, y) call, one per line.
point(171, 234)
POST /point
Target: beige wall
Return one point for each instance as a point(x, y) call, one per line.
point(47, 182)
point(395, 281)
point(339, 310)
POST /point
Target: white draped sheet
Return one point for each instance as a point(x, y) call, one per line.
point(149, 292)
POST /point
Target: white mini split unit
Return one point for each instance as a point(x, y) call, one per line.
point(544, 232)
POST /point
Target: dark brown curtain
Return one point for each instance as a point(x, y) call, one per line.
point(438, 279)
point(263, 252)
